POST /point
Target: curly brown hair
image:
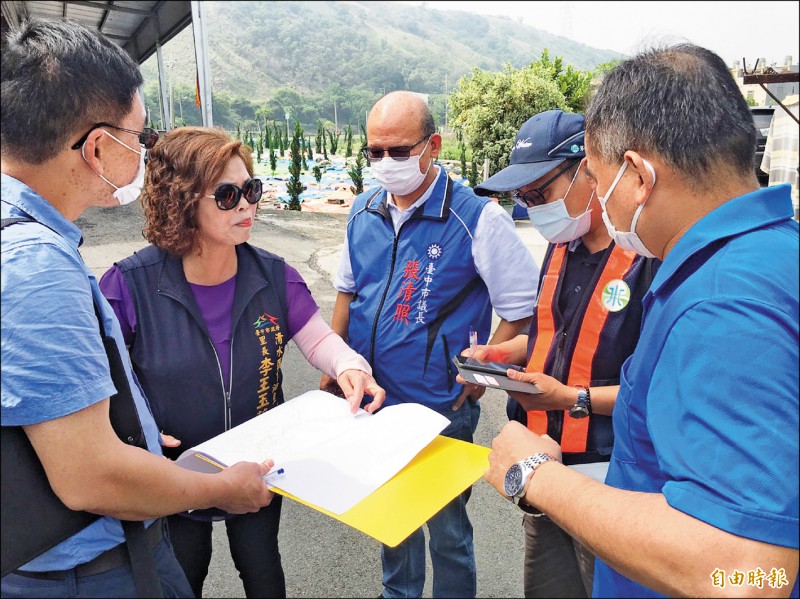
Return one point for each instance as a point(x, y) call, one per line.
point(183, 164)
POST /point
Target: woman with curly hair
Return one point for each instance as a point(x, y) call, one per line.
point(206, 317)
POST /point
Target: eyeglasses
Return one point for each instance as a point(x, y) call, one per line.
point(147, 136)
point(374, 154)
point(535, 197)
point(228, 195)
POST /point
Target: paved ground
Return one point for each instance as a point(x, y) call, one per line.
point(321, 556)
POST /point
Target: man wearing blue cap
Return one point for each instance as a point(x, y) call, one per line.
point(585, 325)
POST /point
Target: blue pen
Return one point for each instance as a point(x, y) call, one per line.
point(270, 476)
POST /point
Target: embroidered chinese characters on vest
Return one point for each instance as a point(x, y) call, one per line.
point(271, 341)
point(610, 294)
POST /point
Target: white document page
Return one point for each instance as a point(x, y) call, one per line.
point(330, 457)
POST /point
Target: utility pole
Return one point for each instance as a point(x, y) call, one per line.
point(446, 102)
point(335, 117)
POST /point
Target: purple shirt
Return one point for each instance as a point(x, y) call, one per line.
point(216, 307)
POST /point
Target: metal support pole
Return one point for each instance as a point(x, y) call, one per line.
point(774, 97)
point(201, 59)
point(166, 117)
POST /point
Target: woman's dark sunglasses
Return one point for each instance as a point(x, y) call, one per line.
point(227, 195)
point(535, 197)
point(374, 154)
point(147, 136)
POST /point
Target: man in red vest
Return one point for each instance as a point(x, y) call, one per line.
point(585, 325)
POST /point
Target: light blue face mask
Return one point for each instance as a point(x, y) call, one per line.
point(555, 224)
point(627, 240)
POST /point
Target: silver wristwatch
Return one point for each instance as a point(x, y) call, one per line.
point(519, 475)
point(582, 407)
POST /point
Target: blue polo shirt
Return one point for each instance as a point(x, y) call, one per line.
point(53, 359)
point(707, 411)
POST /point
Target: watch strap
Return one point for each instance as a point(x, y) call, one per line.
point(532, 462)
point(583, 403)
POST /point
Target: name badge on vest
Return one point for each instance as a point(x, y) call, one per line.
point(616, 295)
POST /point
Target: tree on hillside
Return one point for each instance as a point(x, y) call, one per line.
point(463, 156)
point(574, 84)
point(334, 140)
point(490, 108)
point(308, 147)
point(604, 68)
point(294, 186)
point(473, 171)
point(320, 136)
point(356, 173)
point(349, 140)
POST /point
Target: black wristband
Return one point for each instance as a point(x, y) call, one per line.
point(589, 401)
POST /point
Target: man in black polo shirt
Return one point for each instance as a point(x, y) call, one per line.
point(585, 325)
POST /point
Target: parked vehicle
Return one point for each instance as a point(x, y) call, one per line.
point(762, 117)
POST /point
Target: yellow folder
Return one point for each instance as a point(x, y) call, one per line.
point(437, 474)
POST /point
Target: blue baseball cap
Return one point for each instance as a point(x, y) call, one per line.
point(544, 141)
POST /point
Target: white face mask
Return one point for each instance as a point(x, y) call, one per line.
point(130, 192)
point(627, 240)
point(400, 177)
point(555, 224)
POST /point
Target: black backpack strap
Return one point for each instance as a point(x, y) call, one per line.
point(10, 221)
point(143, 565)
point(24, 483)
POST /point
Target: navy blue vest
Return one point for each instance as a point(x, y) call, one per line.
point(173, 355)
point(418, 292)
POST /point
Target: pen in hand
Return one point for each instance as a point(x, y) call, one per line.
point(473, 347)
point(270, 477)
point(473, 341)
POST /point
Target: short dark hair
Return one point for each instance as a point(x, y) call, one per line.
point(679, 102)
point(58, 79)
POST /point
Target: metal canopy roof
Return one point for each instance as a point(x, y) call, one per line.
point(140, 27)
point(137, 26)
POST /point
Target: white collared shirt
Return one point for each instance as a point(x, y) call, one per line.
point(501, 259)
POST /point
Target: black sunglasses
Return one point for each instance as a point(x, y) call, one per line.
point(374, 154)
point(147, 136)
point(535, 197)
point(227, 195)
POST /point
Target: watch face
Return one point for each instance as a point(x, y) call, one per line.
point(513, 483)
point(578, 411)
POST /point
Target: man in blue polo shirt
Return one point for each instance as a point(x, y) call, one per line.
point(73, 136)
point(701, 496)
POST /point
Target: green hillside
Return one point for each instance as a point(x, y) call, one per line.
point(306, 55)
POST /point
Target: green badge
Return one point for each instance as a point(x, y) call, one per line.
point(616, 295)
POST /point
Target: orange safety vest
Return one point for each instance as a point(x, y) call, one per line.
point(575, 431)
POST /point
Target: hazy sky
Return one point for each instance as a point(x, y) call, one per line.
point(752, 29)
